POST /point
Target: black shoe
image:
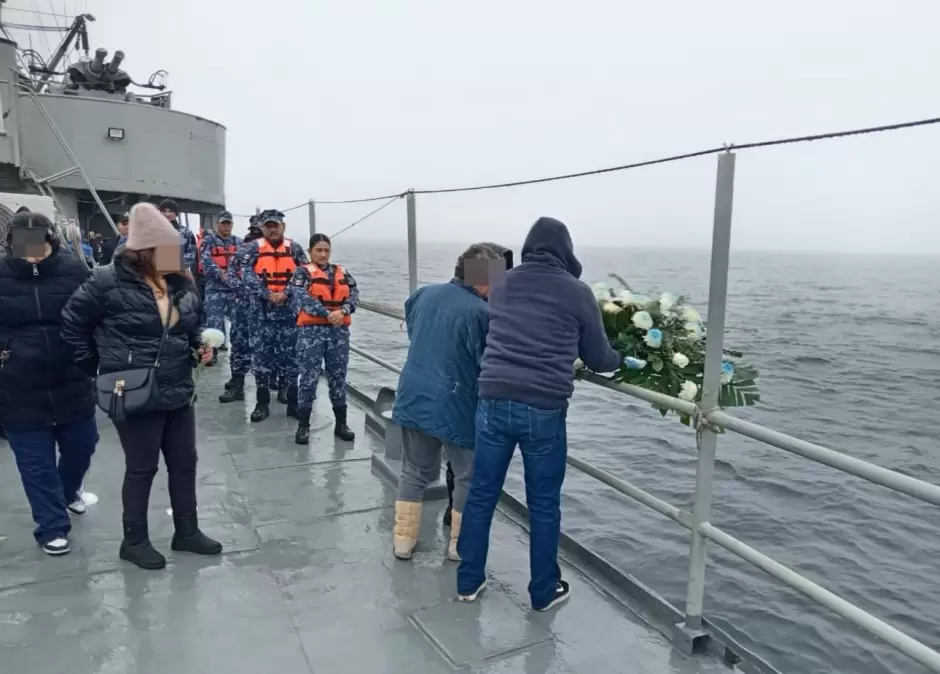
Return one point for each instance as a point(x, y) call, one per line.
point(262, 408)
point(302, 436)
point(342, 431)
point(282, 396)
point(224, 347)
point(562, 592)
point(234, 392)
point(229, 383)
point(188, 538)
point(136, 547)
point(292, 410)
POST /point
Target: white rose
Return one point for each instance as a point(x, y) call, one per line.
point(212, 337)
point(680, 360)
point(601, 291)
point(691, 315)
point(689, 391)
point(666, 301)
point(612, 308)
point(642, 320)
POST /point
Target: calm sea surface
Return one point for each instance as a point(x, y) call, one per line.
point(849, 353)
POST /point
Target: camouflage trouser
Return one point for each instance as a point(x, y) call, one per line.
point(244, 330)
point(318, 345)
point(275, 352)
point(219, 304)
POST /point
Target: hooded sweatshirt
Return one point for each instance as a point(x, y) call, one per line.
point(541, 320)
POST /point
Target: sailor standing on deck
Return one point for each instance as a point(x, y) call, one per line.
point(244, 320)
point(269, 266)
point(187, 239)
point(324, 296)
point(216, 253)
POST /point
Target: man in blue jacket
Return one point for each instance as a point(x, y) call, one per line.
point(542, 319)
point(437, 390)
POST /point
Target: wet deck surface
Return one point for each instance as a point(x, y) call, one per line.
point(307, 582)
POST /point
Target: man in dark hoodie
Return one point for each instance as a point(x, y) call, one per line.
point(542, 319)
point(187, 239)
point(46, 401)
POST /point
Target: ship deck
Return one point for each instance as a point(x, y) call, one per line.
point(307, 582)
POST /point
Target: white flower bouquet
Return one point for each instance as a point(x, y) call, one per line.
point(662, 341)
point(209, 338)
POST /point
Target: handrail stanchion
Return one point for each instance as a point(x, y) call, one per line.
point(711, 384)
point(412, 243)
point(312, 216)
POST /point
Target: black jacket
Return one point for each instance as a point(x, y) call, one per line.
point(40, 385)
point(113, 324)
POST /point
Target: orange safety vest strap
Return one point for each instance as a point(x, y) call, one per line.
point(221, 255)
point(332, 295)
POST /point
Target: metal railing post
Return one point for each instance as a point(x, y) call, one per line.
point(412, 243)
point(711, 384)
point(312, 216)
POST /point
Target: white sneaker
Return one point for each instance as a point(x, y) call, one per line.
point(57, 546)
point(78, 508)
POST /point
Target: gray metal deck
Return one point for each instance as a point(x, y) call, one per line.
point(307, 582)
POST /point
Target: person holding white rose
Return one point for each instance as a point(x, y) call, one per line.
point(135, 325)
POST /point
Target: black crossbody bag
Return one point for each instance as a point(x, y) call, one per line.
point(131, 391)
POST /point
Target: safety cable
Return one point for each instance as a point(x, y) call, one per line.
point(366, 217)
point(651, 162)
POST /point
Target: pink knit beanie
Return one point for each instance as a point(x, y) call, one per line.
point(148, 229)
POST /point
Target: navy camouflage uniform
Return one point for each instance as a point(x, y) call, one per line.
point(221, 284)
point(276, 330)
point(244, 320)
point(319, 345)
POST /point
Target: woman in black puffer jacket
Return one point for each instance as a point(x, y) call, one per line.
point(115, 323)
point(46, 401)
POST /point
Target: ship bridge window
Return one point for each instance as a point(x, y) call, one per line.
point(115, 133)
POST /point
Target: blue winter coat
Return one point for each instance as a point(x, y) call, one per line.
point(437, 388)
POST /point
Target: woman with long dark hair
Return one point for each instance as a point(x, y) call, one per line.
point(135, 325)
point(324, 295)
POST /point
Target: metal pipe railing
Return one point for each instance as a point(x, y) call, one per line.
point(709, 420)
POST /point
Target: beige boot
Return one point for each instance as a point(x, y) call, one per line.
point(407, 525)
point(454, 535)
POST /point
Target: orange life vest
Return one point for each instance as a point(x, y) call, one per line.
point(222, 255)
point(275, 266)
point(331, 295)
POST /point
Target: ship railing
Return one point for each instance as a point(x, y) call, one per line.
point(708, 421)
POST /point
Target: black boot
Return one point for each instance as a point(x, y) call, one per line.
point(229, 383)
point(234, 392)
point(262, 408)
point(136, 547)
point(342, 430)
point(188, 537)
point(283, 394)
point(292, 411)
point(302, 436)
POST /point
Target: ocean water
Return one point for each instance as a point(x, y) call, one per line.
point(849, 353)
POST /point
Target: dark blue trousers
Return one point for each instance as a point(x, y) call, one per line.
point(50, 486)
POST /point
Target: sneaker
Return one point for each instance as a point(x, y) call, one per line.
point(473, 595)
point(562, 592)
point(78, 508)
point(57, 546)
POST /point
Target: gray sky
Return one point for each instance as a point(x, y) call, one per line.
point(342, 99)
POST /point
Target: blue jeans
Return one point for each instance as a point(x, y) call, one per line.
point(49, 488)
point(542, 436)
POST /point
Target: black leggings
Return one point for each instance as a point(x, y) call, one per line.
point(142, 438)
